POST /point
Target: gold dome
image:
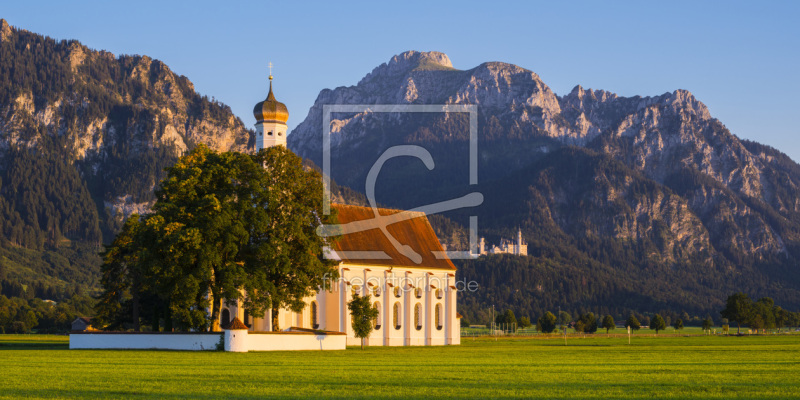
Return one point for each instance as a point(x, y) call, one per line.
point(271, 110)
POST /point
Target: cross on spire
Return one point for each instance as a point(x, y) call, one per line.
point(270, 70)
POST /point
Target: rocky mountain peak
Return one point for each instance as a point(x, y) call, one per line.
point(684, 101)
point(408, 61)
point(5, 29)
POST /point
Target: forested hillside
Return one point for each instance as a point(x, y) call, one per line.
point(84, 138)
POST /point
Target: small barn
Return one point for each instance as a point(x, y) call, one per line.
point(82, 324)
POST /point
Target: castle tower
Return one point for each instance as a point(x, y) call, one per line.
point(518, 249)
point(271, 116)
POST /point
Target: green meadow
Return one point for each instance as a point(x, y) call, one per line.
point(663, 367)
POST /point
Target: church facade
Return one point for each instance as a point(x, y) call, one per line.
point(414, 289)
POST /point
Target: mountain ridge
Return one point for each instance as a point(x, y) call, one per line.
point(684, 171)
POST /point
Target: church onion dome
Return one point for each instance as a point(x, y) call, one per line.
point(271, 110)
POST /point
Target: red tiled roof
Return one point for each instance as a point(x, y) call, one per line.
point(236, 324)
point(415, 232)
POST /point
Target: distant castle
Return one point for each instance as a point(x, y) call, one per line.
point(518, 248)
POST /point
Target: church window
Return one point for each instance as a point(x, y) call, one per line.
point(247, 321)
point(376, 291)
point(418, 316)
point(270, 133)
point(225, 318)
point(314, 316)
point(438, 317)
point(397, 291)
point(356, 288)
point(396, 316)
point(378, 318)
point(439, 293)
point(280, 133)
point(418, 292)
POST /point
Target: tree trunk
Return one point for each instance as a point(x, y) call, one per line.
point(362, 343)
point(168, 320)
point(275, 326)
point(216, 305)
point(154, 325)
point(136, 311)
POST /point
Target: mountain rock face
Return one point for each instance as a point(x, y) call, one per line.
point(85, 136)
point(103, 112)
point(656, 178)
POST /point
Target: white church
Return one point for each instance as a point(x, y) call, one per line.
point(416, 299)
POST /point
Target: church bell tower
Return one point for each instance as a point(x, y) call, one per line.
point(271, 116)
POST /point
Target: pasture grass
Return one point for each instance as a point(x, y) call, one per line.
point(666, 367)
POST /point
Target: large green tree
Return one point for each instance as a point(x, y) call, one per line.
point(738, 308)
point(546, 323)
point(225, 227)
point(633, 323)
point(708, 323)
point(658, 323)
point(587, 323)
point(608, 323)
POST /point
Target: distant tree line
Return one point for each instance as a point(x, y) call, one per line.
point(758, 315)
point(20, 315)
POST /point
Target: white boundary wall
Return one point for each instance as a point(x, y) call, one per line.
point(244, 341)
point(161, 341)
point(295, 341)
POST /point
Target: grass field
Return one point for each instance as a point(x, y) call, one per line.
point(601, 367)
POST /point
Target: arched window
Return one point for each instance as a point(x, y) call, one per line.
point(418, 292)
point(438, 316)
point(418, 316)
point(314, 318)
point(356, 288)
point(225, 318)
point(396, 316)
point(397, 291)
point(439, 293)
point(378, 318)
point(247, 321)
point(376, 291)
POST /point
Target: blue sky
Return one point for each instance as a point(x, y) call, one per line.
point(739, 58)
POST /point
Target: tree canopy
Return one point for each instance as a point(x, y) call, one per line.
point(546, 323)
point(363, 314)
point(737, 308)
point(633, 323)
point(608, 323)
point(658, 323)
point(225, 227)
